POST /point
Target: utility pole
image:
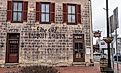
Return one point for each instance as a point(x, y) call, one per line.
point(108, 43)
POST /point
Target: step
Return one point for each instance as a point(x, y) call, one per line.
point(79, 64)
point(11, 65)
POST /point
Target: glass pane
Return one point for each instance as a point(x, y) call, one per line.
point(76, 45)
point(14, 16)
point(14, 6)
point(69, 18)
point(80, 46)
point(47, 17)
point(43, 18)
point(73, 9)
point(69, 9)
point(19, 6)
point(73, 18)
point(19, 16)
point(77, 55)
point(47, 8)
point(43, 8)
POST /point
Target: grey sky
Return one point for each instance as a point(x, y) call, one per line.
point(99, 15)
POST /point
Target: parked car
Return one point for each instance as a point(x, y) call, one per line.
point(119, 57)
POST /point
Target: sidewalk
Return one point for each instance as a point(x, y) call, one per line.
point(70, 69)
point(115, 68)
point(77, 69)
point(5, 70)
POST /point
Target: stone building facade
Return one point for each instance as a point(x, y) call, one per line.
point(46, 32)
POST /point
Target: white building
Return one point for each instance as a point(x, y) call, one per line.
point(103, 45)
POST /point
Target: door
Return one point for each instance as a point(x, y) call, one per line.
point(78, 51)
point(12, 51)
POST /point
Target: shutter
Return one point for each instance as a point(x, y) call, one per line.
point(38, 11)
point(78, 15)
point(52, 16)
point(25, 9)
point(9, 11)
point(65, 9)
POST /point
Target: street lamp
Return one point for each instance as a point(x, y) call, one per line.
point(108, 40)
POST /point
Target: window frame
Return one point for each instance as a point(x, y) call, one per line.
point(71, 23)
point(45, 12)
point(17, 12)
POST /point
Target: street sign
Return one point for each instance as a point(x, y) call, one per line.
point(116, 21)
point(97, 33)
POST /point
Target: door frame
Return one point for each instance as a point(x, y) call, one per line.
point(7, 48)
point(80, 39)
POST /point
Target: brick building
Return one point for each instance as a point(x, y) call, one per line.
point(49, 32)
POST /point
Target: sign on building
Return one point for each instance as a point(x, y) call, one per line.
point(115, 13)
point(97, 33)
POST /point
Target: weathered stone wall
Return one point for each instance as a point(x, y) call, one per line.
point(87, 16)
point(2, 30)
point(50, 43)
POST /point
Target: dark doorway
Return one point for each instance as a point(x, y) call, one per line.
point(12, 48)
point(78, 45)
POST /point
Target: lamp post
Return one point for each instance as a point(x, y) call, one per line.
point(108, 40)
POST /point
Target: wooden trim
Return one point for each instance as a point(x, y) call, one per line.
point(82, 51)
point(52, 15)
point(12, 57)
point(25, 10)
point(65, 17)
point(38, 6)
point(9, 11)
point(78, 7)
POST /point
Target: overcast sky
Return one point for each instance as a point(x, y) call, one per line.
point(99, 14)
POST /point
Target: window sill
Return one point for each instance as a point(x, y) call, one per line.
point(16, 21)
point(45, 22)
point(71, 23)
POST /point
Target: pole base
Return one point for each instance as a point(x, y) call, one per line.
point(110, 70)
